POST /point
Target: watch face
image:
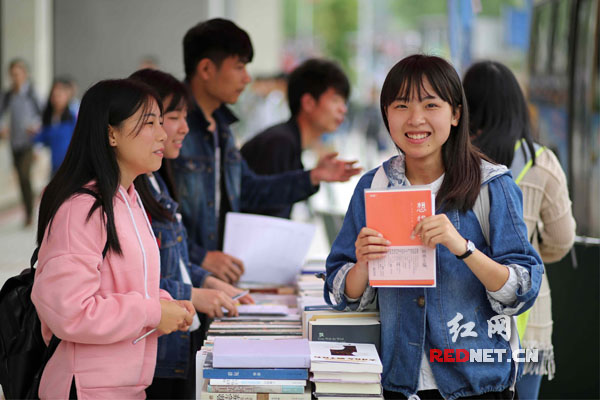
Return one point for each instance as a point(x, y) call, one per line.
point(470, 246)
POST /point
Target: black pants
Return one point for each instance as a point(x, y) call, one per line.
point(435, 395)
point(179, 388)
point(22, 160)
point(73, 391)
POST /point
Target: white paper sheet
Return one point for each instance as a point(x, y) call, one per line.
point(272, 249)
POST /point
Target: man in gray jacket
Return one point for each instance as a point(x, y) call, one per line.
point(22, 106)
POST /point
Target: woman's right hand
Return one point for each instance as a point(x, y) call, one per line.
point(370, 245)
point(173, 316)
point(212, 301)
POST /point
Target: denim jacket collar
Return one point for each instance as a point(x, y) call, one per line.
point(396, 172)
point(222, 114)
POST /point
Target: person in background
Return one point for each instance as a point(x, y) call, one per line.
point(317, 94)
point(58, 121)
point(500, 127)
point(478, 278)
point(22, 103)
point(148, 62)
point(175, 374)
point(266, 101)
point(97, 282)
point(210, 174)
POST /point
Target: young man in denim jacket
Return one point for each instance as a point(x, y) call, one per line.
point(211, 176)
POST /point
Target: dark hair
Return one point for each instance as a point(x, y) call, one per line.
point(499, 115)
point(91, 158)
point(215, 39)
point(18, 62)
point(66, 115)
point(166, 85)
point(315, 76)
point(460, 158)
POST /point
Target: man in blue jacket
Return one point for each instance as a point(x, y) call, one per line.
point(211, 176)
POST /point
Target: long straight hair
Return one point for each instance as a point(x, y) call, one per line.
point(461, 160)
point(499, 114)
point(175, 97)
point(90, 159)
point(66, 115)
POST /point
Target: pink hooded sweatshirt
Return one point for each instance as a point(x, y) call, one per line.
point(99, 306)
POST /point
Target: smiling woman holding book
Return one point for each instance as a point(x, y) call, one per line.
point(484, 264)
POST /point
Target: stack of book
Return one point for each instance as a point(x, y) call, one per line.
point(250, 369)
point(345, 371)
point(324, 324)
point(310, 284)
point(273, 316)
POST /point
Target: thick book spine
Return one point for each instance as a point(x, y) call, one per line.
point(254, 396)
point(255, 373)
point(230, 396)
point(303, 396)
point(258, 382)
point(264, 361)
point(279, 389)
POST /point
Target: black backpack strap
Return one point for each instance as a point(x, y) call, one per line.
point(33, 99)
point(54, 342)
point(34, 257)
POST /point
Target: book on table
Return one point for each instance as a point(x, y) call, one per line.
point(347, 388)
point(350, 377)
point(394, 213)
point(344, 357)
point(314, 313)
point(209, 372)
point(206, 395)
point(275, 353)
point(263, 309)
point(325, 396)
point(349, 330)
point(256, 389)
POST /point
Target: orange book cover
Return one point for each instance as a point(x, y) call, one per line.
point(395, 213)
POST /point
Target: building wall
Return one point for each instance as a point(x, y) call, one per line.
point(105, 39)
point(27, 34)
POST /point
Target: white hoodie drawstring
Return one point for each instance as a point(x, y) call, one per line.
point(138, 234)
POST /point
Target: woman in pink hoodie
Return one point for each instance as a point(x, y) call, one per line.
point(97, 281)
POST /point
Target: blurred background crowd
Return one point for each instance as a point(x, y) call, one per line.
point(57, 48)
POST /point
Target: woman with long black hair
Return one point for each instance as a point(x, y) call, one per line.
point(97, 281)
point(501, 128)
point(485, 267)
point(58, 121)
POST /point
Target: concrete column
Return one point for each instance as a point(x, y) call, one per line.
point(263, 20)
point(27, 33)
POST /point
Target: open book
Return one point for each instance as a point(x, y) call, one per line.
point(394, 213)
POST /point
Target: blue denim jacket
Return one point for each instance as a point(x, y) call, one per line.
point(195, 179)
point(414, 320)
point(173, 349)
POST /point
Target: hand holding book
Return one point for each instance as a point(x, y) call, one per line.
point(395, 213)
point(370, 245)
point(437, 229)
